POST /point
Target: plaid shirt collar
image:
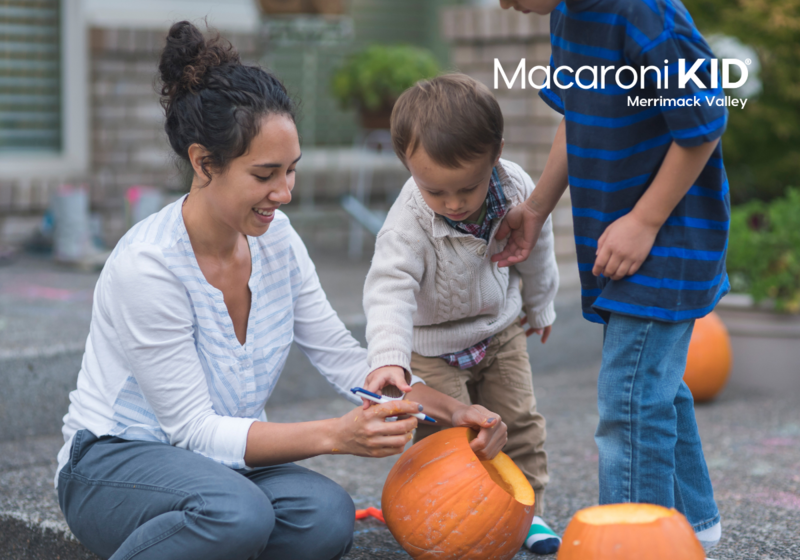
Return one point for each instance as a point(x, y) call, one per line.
point(495, 208)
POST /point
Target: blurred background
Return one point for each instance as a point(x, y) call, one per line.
point(79, 112)
point(83, 153)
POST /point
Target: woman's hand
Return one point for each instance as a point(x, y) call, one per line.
point(387, 376)
point(366, 433)
point(492, 431)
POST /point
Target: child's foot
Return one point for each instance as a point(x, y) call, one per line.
point(541, 538)
point(710, 537)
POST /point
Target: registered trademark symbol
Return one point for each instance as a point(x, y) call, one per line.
point(748, 62)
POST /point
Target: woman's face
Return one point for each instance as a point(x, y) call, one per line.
point(246, 195)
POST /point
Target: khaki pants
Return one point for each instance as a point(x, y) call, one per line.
point(503, 383)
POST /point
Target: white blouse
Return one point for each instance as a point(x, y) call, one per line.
point(162, 360)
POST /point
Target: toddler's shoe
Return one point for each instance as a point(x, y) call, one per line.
point(541, 538)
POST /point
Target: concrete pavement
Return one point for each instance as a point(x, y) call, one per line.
point(752, 441)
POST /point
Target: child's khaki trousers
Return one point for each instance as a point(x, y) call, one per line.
point(503, 383)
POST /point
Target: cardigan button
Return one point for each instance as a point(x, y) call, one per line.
point(482, 250)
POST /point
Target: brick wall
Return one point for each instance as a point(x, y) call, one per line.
point(478, 36)
point(128, 142)
point(128, 145)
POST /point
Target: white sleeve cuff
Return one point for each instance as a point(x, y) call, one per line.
point(230, 440)
point(543, 318)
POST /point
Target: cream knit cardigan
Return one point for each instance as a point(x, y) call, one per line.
point(434, 290)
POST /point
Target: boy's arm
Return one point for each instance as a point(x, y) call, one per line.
point(525, 221)
point(625, 244)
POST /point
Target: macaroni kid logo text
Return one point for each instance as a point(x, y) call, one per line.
point(628, 77)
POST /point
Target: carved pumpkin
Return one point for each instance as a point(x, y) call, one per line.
point(709, 361)
point(630, 532)
point(441, 502)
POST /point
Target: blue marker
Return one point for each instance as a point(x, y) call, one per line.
point(363, 393)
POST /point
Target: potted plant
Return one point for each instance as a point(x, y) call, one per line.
point(302, 6)
point(763, 311)
point(372, 79)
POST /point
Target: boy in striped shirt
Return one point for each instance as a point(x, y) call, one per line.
point(651, 212)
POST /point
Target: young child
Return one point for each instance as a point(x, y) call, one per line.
point(651, 212)
point(435, 303)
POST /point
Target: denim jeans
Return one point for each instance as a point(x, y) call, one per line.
point(145, 500)
point(647, 438)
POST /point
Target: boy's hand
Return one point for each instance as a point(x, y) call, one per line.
point(387, 376)
point(543, 332)
point(524, 224)
point(623, 247)
point(492, 431)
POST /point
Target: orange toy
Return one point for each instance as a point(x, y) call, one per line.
point(629, 532)
point(709, 361)
point(370, 512)
point(441, 503)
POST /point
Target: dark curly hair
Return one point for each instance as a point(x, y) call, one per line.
point(212, 99)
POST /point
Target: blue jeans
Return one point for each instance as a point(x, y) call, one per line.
point(647, 438)
point(144, 500)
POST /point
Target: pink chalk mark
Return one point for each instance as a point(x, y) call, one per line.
point(43, 292)
point(779, 442)
point(783, 500)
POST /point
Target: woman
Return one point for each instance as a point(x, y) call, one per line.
point(168, 452)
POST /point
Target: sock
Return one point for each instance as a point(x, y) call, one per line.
point(541, 538)
point(710, 537)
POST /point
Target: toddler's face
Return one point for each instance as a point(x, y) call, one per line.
point(542, 7)
point(455, 193)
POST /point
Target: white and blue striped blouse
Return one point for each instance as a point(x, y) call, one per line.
point(162, 361)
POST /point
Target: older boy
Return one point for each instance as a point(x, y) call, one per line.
point(435, 303)
point(651, 211)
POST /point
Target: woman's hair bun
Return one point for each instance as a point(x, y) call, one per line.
point(188, 57)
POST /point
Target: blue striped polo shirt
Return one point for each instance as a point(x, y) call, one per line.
point(615, 150)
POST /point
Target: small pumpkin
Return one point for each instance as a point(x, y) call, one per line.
point(708, 364)
point(441, 502)
point(630, 532)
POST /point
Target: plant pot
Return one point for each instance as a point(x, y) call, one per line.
point(283, 6)
point(325, 7)
point(766, 345)
point(329, 6)
point(376, 119)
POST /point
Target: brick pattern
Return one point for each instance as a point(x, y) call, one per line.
point(478, 36)
point(128, 145)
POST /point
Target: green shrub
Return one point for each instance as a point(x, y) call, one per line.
point(764, 250)
point(376, 76)
point(762, 143)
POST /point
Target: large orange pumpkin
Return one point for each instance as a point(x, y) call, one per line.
point(441, 502)
point(708, 364)
point(630, 532)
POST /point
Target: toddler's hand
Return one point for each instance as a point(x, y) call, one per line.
point(544, 332)
point(623, 247)
point(492, 431)
point(387, 377)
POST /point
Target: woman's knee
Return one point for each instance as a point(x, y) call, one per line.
point(330, 525)
point(242, 521)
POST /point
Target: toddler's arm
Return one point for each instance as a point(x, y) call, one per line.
point(539, 270)
point(390, 300)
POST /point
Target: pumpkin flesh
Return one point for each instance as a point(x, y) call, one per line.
point(629, 532)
